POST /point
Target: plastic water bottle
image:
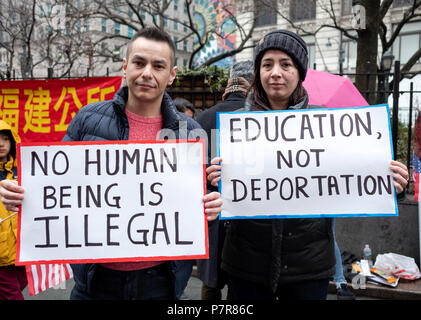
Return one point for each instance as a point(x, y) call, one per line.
point(367, 255)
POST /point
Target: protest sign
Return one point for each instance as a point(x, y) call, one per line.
point(112, 201)
point(41, 110)
point(306, 163)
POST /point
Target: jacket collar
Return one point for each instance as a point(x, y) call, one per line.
point(170, 116)
point(303, 104)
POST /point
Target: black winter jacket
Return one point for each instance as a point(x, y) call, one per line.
point(279, 251)
point(107, 120)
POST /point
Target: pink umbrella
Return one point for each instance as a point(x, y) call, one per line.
point(333, 91)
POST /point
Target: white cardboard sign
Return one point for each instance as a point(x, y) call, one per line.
point(112, 201)
point(306, 163)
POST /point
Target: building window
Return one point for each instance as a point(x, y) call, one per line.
point(175, 5)
point(407, 42)
point(311, 47)
point(346, 8)
point(266, 13)
point(302, 10)
point(185, 45)
point(185, 26)
point(143, 14)
point(176, 42)
point(185, 62)
point(116, 28)
point(402, 3)
point(175, 25)
point(104, 25)
point(165, 22)
point(130, 32)
point(349, 48)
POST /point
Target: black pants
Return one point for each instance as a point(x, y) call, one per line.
point(241, 289)
point(154, 283)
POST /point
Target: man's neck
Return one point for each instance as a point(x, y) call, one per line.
point(144, 108)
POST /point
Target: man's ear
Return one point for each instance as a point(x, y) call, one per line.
point(173, 74)
point(124, 67)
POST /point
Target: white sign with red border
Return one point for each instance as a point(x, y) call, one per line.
point(112, 201)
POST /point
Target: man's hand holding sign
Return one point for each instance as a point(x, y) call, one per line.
point(318, 163)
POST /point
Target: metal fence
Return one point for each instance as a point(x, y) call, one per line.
point(388, 90)
point(197, 90)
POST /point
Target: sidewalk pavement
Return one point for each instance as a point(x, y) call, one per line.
point(192, 291)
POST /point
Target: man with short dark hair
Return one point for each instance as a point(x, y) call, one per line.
point(139, 111)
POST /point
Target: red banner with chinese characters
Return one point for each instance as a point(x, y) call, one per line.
point(41, 110)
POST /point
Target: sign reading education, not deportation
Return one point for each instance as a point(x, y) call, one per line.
point(112, 201)
point(306, 163)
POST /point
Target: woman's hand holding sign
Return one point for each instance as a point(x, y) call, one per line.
point(400, 175)
point(213, 204)
point(214, 171)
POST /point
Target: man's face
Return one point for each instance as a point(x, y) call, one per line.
point(148, 70)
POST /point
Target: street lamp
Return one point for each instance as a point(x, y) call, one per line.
point(386, 65)
point(387, 60)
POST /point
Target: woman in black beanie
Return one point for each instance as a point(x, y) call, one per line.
point(281, 258)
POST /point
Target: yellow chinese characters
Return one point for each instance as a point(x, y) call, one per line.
point(9, 107)
point(102, 93)
point(46, 110)
point(37, 111)
point(62, 126)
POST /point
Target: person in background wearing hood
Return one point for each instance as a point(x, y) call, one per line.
point(268, 259)
point(185, 106)
point(12, 278)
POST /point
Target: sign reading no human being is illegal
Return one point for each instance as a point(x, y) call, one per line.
point(112, 201)
point(306, 163)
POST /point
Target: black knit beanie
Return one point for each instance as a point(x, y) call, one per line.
point(287, 41)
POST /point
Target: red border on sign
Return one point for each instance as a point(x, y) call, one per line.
point(101, 260)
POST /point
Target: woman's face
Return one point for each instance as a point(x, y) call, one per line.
point(279, 77)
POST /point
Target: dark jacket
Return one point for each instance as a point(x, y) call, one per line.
point(279, 251)
point(107, 120)
point(208, 270)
